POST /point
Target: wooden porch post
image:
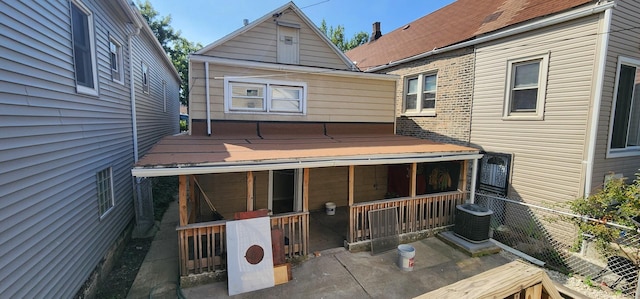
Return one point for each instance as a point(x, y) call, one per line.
point(412, 180)
point(352, 175)
point(249, 190)
point(195, 206)
point(305, 190)
point(182, 200)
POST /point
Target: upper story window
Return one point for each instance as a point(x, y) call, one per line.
point(420, 94)
point(145, 77)
point(264, 96)
point(83, 48)
point(115, 55)
point(526, 87)
point(624, 138)
point(105, 191)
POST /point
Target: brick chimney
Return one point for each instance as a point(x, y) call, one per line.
point(375, 32)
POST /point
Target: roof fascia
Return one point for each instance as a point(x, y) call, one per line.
point(295, 164)
point(545, 22)
point(243, 29)
point(289, 68)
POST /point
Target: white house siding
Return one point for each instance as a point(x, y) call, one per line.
point(623, 42)
point(547, 154)
point(259, 44)
point(52, 142)
point(329, 98)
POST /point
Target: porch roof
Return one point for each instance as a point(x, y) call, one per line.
point(238, 152)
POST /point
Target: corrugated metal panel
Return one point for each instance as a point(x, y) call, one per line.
point(259, 44)
point(547, 154)
point(52, 143)
point(329, 98)
point(623, 42)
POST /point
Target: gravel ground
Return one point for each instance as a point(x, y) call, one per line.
point(574, 283)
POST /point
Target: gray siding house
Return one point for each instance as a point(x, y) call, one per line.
point(85, 88)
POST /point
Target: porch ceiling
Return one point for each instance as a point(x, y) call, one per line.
point(184, 154)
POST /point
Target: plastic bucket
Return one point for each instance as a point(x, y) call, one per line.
point(406, 254)
point(330, 208)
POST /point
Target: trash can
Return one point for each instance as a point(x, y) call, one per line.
point(406, 254)
point(331, 208)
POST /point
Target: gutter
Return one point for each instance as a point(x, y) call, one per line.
point(550, 21)
point(296, 164)
point(597, 101)
point(289, 68)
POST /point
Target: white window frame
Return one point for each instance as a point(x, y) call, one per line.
point(419, 111)
point(106, 202)
point(268, 86)
point(81, 88)
point(543, 72)
point(145, 80)
point(117, 75)
point(627, 151)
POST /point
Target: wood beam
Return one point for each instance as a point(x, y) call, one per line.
point(413, 179)
point(305, 190)
point(182, 200)
point(352, 175)
point(195, 206)
point(249, 190)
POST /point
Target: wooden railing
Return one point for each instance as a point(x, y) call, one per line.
point(202, 247)
point(295, 227)
point(414, 214)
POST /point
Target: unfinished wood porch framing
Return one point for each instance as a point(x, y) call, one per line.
point(202, 246)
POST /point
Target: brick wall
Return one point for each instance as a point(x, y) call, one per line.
point(451, 124)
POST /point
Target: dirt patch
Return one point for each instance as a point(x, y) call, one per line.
point(121, 277)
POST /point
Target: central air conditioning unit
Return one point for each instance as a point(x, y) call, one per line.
point(472, 222)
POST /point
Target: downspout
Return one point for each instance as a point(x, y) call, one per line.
point(597, 101)
point(474, 178)
point(208, 100)
point(133, 31)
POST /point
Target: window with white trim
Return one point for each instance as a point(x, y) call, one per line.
point(624, 138)
point(84, 59)
point(105, 190)
point(420, 94)
point(115, 55)
point(264, 96)
point(526, 87)
point(145, 77)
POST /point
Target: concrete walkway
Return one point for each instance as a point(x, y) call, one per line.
point(158, 276)
point(336, 273)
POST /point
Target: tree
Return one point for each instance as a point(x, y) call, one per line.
point(176, 46)
point(336, 36)
point(617, 202)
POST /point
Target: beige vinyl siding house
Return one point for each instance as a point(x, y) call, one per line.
point(622, 48)
point(548, 145)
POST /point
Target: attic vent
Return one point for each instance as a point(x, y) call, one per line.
point(492, 17)
point(406, 27)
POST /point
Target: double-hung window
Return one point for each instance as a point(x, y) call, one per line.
point(83, 48)
point(624, 139)
point(105, 191)
point(264, 96)
point(526, 87)
point(420, 94)
point(115, 55)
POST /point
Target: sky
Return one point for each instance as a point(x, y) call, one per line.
point(206, 21)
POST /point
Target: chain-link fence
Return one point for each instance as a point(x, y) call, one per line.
point(550, 235)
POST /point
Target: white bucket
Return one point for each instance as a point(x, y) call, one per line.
point(406, 254)
point(330, 208)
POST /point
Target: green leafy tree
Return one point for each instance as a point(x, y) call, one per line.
point(336, 36)
point(176, 46)
point(617, 202)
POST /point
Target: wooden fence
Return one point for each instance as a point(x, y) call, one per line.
point(202, 247)
point(414, 214)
